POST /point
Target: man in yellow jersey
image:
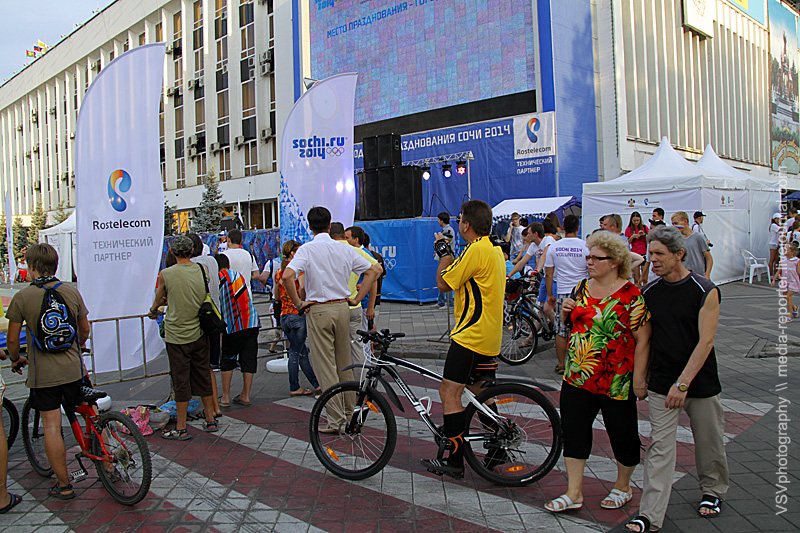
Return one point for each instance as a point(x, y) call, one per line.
point(478, 277)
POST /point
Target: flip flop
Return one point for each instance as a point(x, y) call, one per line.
point(176, 434)
point(301, 392)
point(239, 401)
point(221, 404)
point(14, 501)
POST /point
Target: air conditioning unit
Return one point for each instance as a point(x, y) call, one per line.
point(52, 110)
point(65, 176)
point(195, 84)
point(267, 56)
point(266, 69)
point(37, 186)
point(191, 141)
point(28, 154)
point(95, 65)
point(267, 134)
point(224, 68)
point(224, 15)
point(238, 141)
point(35, 149)
point(192, 152)
point(174, 91)
point(215, 147)
point(19, 128)
point(72, 135)
point(170, 49)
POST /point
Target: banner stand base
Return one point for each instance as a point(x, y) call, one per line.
point(278, 366)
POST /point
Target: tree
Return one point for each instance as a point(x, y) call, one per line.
point(38, 222)
point(20, 237)
point(61, 213)
point(211, 210)
point(169, 219)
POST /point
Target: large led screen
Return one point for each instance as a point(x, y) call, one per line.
point(418, 55)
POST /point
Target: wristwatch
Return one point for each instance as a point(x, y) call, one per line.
point(682, 387)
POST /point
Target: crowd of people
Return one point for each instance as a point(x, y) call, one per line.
point(630, 307)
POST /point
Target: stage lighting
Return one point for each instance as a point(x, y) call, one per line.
point(461, 167)
point(447, 170)
point(426, 173)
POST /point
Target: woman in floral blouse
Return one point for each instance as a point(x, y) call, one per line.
point(606, 369)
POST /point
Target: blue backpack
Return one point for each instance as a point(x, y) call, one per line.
point(57, 328)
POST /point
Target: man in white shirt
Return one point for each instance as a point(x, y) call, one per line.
point(240, 259)
point(566, 259)
point(327, 266)
point(697, 226)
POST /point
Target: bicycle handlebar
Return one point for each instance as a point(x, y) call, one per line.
point(384, 337)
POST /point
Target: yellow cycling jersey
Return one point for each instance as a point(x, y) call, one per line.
point(478, 277)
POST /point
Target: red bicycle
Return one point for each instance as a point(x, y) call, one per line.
point(111, 440)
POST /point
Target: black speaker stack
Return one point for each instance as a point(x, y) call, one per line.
point(387, 189)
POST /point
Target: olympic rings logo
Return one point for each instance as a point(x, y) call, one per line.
point(335, 151)
point(390, 263)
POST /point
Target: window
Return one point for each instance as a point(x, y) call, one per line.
point(251, 157)
point(159, 33)
point(225, 164)
point(141, 39)
point(180, 167)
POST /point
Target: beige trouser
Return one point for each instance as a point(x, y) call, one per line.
point(356, 346)
point(708, 430)
point(329, 348)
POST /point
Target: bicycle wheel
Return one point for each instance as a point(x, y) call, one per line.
point(363, 437)
point(515, 334)
point(127, 475)
point(10, 421)
point(33, 440)
point(524, 447)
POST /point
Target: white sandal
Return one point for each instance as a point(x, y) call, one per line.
point(561, 504)
point(617, 499)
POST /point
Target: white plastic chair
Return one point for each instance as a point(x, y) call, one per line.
point(753, 266)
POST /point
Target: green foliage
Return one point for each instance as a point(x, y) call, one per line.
point(211, 209)
point(61, 213)
point(38, 222)
point(169, 219)
point(20, 237)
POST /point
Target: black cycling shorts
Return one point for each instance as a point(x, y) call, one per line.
point(52, 398)
point(467, 367)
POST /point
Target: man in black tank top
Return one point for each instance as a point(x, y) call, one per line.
point(683, 375)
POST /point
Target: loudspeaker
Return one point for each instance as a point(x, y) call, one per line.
point(386, 193)
point(230, 222)
point(389, 151)
point(370, 149)
point(368, 195)
point(407, 192)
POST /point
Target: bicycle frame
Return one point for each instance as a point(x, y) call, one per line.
point(83, 439)
point(385, 362)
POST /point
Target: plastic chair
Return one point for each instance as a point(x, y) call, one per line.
point(753, 266)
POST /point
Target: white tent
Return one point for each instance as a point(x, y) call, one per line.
point(737, 206)
point(62, 238)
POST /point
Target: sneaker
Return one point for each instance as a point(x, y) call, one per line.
point(435, 466)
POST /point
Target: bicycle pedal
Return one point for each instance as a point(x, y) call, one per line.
point(78, 475)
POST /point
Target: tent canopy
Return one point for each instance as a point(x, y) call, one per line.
point(62, 238)
point(67, 226)
point(737, 205)
point(533, 206)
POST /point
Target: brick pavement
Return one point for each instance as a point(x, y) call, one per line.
point(259, 474)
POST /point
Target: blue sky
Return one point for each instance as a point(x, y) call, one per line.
point(45, 20)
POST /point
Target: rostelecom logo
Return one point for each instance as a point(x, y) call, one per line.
point(533, 127)
point(119, 181)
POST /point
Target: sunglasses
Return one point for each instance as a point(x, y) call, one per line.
point(594, 258)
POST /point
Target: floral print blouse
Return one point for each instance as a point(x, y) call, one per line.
point(601, 345)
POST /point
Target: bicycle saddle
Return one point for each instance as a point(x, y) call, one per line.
point(91, 395)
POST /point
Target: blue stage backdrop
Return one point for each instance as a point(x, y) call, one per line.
point(514, 158)
point(407, 249)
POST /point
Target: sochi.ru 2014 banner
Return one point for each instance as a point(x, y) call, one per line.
point(316, 162)
point(785, 129)
point(120, 204)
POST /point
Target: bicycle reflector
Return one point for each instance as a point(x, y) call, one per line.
point(372, 407)
point(332, 453)
point(515, 468)
point(505, 400)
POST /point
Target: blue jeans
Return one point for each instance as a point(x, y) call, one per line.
point(294, 327)
point(442, 296)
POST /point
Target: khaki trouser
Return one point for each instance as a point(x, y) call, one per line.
point(708, 430)
point(329, 348)
point(356, 346)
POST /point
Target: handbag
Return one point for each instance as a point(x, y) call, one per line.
point(210, 320)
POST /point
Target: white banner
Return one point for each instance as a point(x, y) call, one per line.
point(120, 204)
point(317, 156)
point(12, 263)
